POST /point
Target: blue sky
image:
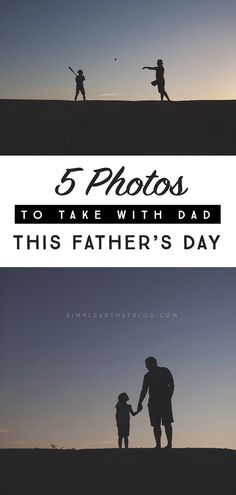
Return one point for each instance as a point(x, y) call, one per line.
point(61, 375)
point(195, 39)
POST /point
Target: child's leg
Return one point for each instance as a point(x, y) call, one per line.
point(83, 93)
point(126, 439)
point(76, 93)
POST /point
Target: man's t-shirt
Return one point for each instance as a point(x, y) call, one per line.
point(159, 383)
point(160, 74)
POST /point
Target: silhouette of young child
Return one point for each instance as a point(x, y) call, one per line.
point(159, 81)
point(123, 412)
point(80, 85)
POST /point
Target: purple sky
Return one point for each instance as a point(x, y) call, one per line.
point(196, 40)
point(61, 374)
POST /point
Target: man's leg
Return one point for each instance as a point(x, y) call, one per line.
point(126, 440)
point(157, 434)
point(168, 430)
point(166, 95)
point(120, 442)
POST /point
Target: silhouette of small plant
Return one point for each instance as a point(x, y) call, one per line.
point(53, 447)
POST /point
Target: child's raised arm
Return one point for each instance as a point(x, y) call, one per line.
point(134, 413)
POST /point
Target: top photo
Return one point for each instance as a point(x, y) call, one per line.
point(132, 77)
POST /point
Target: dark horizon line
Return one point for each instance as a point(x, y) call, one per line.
point(115, 100)
point(60, 449)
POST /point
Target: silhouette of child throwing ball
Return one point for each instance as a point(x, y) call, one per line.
point(123, 412)
point(80, 85)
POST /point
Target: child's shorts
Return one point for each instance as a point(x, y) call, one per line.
point(123, 430)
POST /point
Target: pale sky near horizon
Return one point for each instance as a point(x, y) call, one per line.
point(196, 40)
point(61, 375)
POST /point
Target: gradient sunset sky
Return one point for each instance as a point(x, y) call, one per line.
point(196, 40)
point(60, 375)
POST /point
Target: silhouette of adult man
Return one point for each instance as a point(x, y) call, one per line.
point(159, 383)
point(160, 80)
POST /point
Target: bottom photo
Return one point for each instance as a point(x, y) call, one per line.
point(117, 380)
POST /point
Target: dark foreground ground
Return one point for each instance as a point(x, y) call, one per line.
point(113, 472)
point(31, 127)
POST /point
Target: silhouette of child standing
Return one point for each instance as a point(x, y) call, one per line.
point(123, 412)
point(80, 85)
point(160, 80)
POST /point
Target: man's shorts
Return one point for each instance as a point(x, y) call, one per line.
point(161, 86)
point(160, 412)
